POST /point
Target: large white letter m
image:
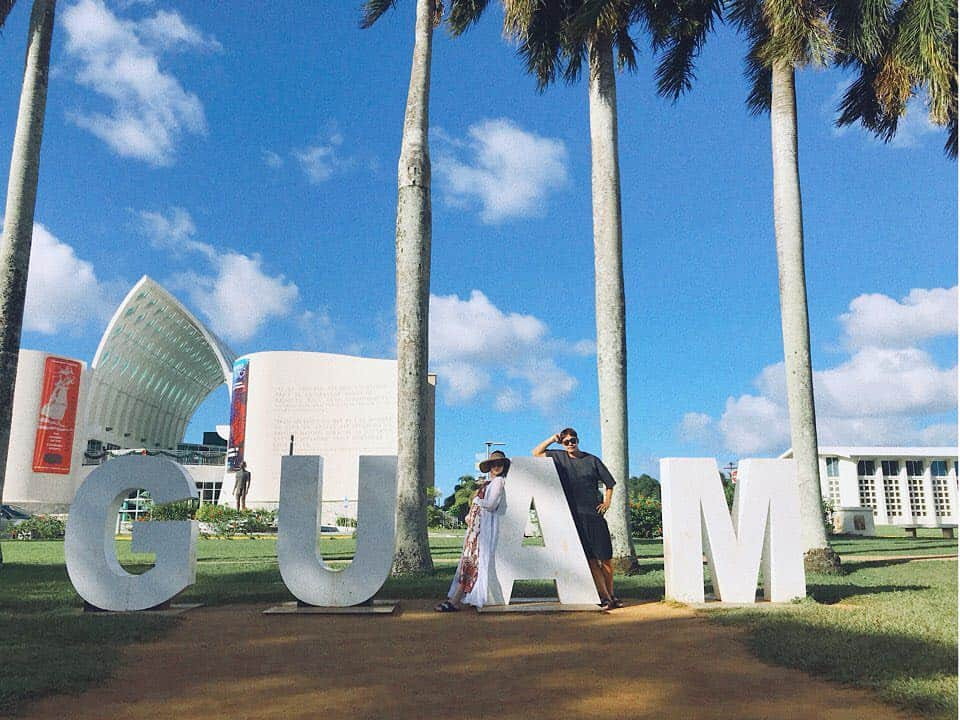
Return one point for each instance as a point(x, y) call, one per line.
point(764, 528)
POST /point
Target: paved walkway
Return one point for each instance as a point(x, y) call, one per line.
point(644, 661)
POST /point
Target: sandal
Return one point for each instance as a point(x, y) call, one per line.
point(605, 603)
point(446, 606)
point(615, 603)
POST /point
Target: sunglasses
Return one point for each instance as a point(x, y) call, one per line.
point(571, 440)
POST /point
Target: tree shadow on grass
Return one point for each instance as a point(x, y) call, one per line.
point(883, 660)
point(832, 594)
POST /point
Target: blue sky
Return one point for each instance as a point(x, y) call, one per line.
point(247, 161)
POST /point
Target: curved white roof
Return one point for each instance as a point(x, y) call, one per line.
point(155, 364)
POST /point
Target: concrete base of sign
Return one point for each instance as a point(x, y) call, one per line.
point(539, 605)
point(377, 607)
point(166, 609)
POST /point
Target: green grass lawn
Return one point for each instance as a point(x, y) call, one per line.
point(885, 624)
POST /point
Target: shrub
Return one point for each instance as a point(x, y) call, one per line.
point(343, 521)
point(38, 527)
point(646, 517)
point(827, 507)
point(183, 510)
point(225, 520)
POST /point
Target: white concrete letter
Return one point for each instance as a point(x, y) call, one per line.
point(765, 526)
point(91, 556)
point(561, 557)
point(301, 566)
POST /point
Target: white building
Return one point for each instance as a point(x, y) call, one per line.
point(155, 365)
point(902, 485)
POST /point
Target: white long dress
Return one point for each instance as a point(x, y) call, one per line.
point(480, 544)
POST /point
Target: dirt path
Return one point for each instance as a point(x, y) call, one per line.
point(644, 661)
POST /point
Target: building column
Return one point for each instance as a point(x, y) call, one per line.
point(907, 518)
point(927, 486)
point(881, 516)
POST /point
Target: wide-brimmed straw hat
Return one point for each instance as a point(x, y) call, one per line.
point(496, 456)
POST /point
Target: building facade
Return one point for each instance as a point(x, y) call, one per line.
point(155, 364)
point(901, 485)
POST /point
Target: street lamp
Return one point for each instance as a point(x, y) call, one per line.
point(490, 444)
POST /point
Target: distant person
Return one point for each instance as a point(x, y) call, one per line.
point(241, 486)
point(580, 476)
point(469, 584)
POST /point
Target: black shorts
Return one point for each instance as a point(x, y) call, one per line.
point(594, 534)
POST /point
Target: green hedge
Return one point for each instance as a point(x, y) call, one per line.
point(38, 527)
point(646, 517)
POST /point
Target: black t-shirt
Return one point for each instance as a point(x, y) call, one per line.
point(580, 478)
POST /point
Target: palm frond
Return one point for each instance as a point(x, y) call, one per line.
point(464, 13)
point(860, 28)
point(5, 7)
point(372, 10)
point(861, 104)
point(680, 36)
point(760, 75)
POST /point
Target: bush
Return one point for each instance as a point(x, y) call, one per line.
point(342, 521)
point(38, 527)
point(225, 520)
point(646, 517)
point(183, 510)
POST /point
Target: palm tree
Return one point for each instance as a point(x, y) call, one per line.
point(555, 37)
point(900, 51)
point(21, 202)
point(784, 35)
point(414, 218)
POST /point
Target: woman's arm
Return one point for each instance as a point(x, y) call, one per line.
point(541, 449)
point(491, 498)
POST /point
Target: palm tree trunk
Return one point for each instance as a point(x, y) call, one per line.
point(18, 216)
point(788, 223)
point(414, 219)
point(610, 305)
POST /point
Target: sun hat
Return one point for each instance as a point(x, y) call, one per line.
point(494, 457)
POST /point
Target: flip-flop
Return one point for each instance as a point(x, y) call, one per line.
point(446, 606)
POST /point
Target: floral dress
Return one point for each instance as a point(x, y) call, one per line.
point(482, 521)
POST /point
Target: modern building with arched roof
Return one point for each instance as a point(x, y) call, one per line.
point(155, 365)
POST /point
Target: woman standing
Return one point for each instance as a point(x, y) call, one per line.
point(470, 581)
point(580, 476)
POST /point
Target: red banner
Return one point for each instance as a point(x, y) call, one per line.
point(58, 416)
point(238, 414)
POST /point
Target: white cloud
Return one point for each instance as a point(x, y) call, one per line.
point(508, 400)
point(168, 31)
point(879, 320)
point(891, 395)
point(174, 231)
point(236, 296)
point(63, 292)
point(877, 382)
point(475, 328)
point(510, 172)
point(272, 159)
point(319, 162)
point(240, 297)
point(475, 346)
point(120, 60)
point(699, 429)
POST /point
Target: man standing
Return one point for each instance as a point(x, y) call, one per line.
point(241, 486)
point(580, 476)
